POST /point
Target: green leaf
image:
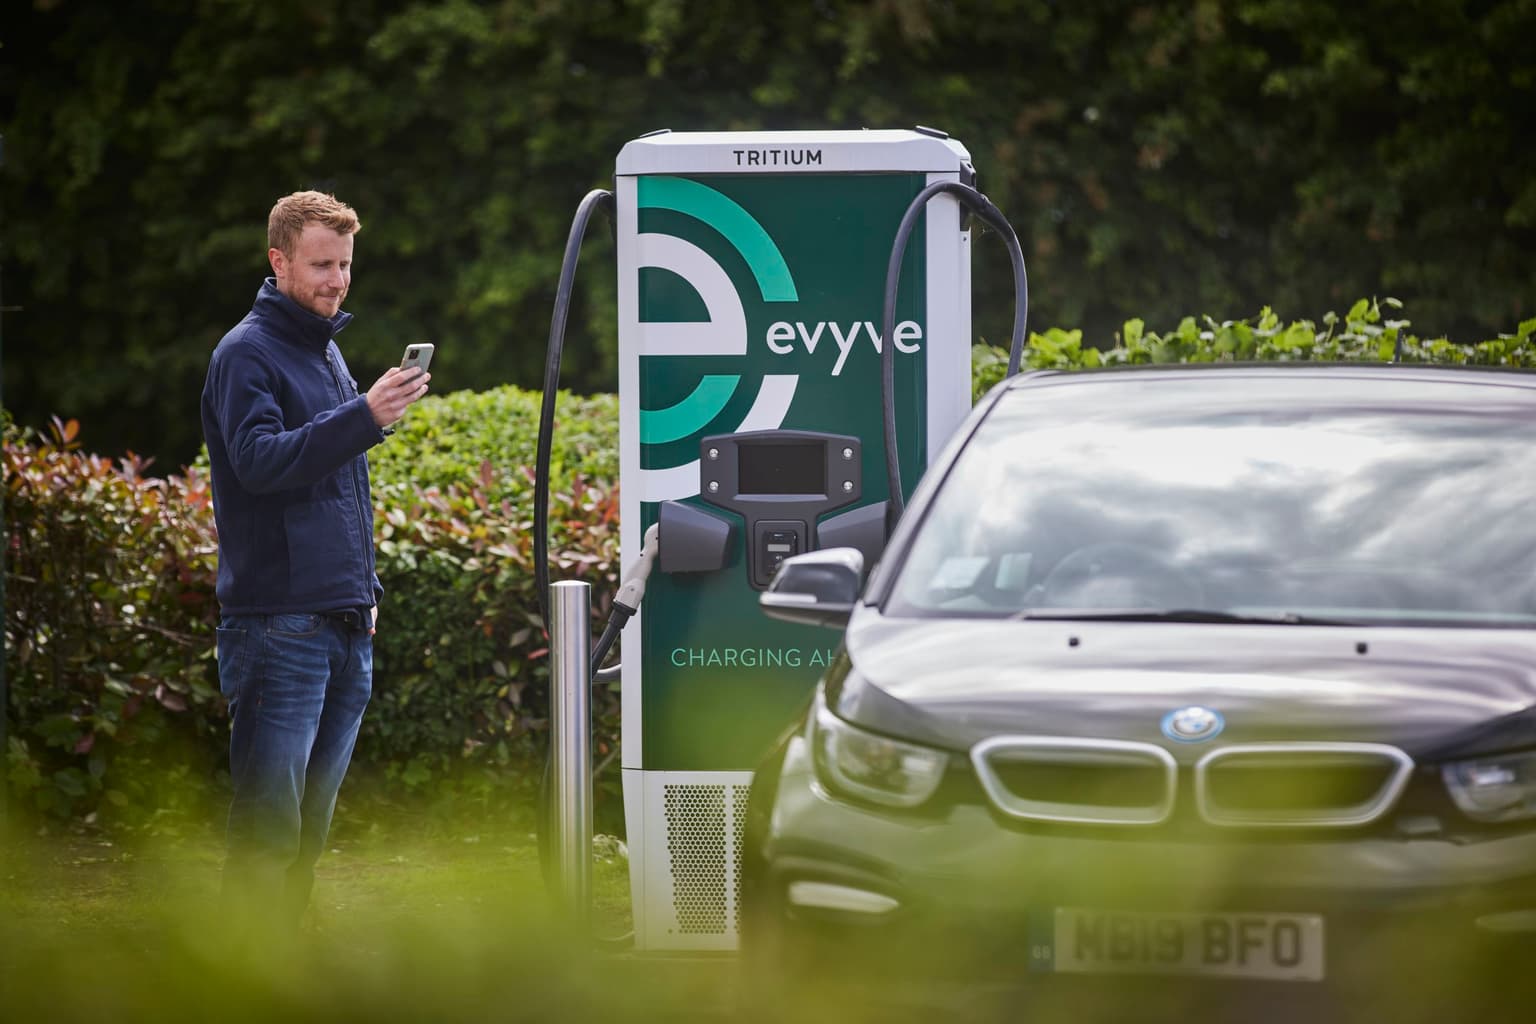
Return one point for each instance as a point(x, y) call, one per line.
point(71, 782)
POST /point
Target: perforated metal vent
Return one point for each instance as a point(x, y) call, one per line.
point(739, 796)
point(696, 849)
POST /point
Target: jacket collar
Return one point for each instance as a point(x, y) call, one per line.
point(296, 322)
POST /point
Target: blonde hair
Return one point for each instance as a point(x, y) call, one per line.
point(286, 222)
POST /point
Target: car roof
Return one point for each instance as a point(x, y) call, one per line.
point(1499, 376)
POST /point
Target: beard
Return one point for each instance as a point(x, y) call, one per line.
point(321, 304)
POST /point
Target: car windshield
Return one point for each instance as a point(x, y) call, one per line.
point(1331, 498)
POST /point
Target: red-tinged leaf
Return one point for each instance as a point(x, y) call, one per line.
point(85, 743)
point(541, 652)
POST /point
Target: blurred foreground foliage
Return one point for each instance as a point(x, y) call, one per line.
point(412, 919)
point(114, 707)
point(446, 919)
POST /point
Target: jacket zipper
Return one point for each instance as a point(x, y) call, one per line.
point(357, 490)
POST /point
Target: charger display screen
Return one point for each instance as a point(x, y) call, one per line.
point(796, 467)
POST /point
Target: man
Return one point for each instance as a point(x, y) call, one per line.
point(286, 432)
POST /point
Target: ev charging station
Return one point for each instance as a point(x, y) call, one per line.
point(751, 274)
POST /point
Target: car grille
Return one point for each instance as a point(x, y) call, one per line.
point(1300, 784)
point(1080, 781)
point(1110, 782)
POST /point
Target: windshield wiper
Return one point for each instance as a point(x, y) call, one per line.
point(1177, 615)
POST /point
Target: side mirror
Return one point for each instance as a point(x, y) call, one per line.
point(818, 588)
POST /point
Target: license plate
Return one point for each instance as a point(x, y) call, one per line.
point(1287, 947)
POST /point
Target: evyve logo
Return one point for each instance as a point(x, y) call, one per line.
point(722, 333)
point(784, 338)
point(665, 431)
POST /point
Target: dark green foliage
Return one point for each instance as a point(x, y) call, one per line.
point(1154, 156)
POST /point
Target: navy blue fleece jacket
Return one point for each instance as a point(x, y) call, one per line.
point(287, 430)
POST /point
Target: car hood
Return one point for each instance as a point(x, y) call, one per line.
point(954, 682)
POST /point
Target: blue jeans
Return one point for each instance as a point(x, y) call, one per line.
point(297, 686)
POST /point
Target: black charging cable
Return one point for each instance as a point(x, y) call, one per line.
point(597, 199)
point(989, 213)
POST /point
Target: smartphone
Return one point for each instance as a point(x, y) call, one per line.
point(417, 357)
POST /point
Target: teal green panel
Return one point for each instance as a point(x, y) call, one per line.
point(692, 414)
point(668, 298)
point(721, 680)
point(738, 226)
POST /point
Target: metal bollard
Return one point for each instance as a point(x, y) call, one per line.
point(570, 700)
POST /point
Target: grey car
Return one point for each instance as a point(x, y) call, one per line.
point(1201, 690)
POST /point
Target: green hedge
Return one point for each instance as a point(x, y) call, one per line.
point(113, 696)
point(113, 701)
point(461, 670)
point(109, 619)
point(458, 438)
point(1370, 332)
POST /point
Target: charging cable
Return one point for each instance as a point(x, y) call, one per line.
point(597, 199)
point(988, 212)
point(627, 601)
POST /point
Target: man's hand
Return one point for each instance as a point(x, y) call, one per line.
point(375, 626)
point(393, 393)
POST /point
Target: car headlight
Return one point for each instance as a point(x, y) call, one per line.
point(1497, 788)
point(870, 767)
